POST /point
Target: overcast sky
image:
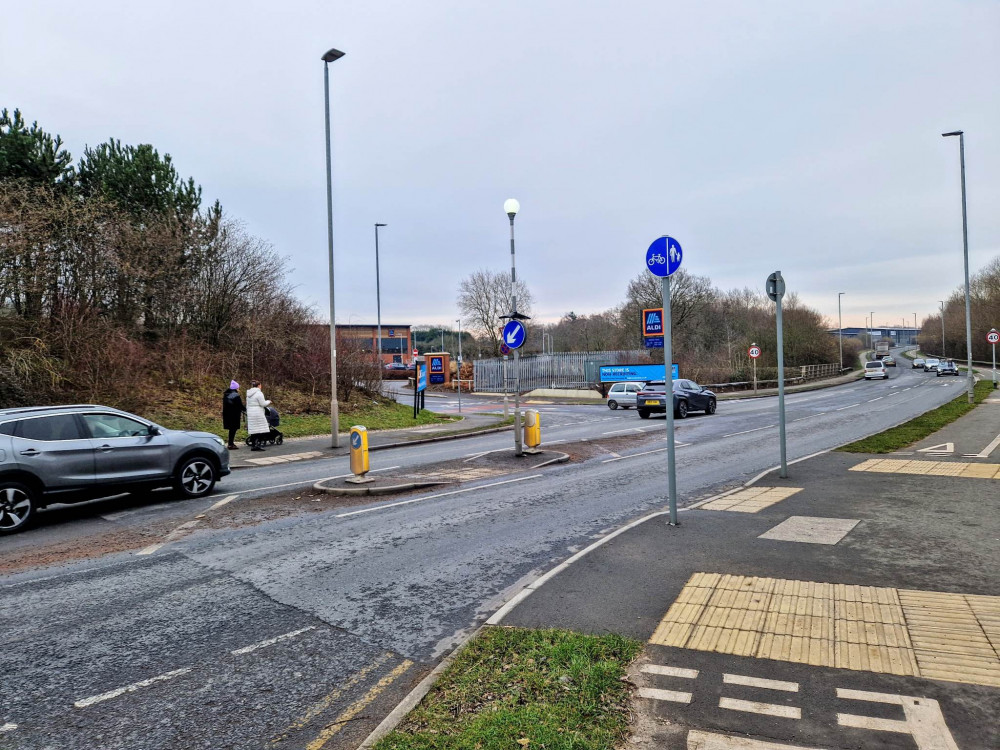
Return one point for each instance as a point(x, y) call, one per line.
point(800, 136)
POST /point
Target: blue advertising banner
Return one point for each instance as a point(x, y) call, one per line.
point(640, 373)
point(437, 369)
point(421, 377)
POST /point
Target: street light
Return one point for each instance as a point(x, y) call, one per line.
point(965, 250)
point(378, 300)
point(944, 352)
point(871, 332)
point(914, 340)
point(511, 207)
point(840, 330)
point(329, 57)
point(459, 368)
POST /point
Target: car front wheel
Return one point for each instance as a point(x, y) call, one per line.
point(682, 410)
point(17, 507)
point(195, 477)
point(612, 405)
point(711, 406)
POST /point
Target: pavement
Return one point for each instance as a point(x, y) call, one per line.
point(318, 446)
point(855, 604)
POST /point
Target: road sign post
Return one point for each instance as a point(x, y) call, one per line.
point(514, 336)
point(993, 337)
point(663, 258)
point(776, 290)
point(754, 352)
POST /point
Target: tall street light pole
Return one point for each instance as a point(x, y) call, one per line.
point(840, 330)
point(914, 340)
point(331, 56)
point(458, 370)
point(378, 300)
point(511, 207)
point(944, 352)
point(871, 332)
point(971, 380)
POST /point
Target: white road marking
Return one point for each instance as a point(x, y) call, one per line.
point(270, 641)
point(876, 399)
point(698, 740)
point(688, 674)
point(130, 688)
point(431, 497)
point(644, 453)
point(755, 429)
point(739, 679)
point(674, 696)
point(171, 537)
point(755, 707)
point(224, 501)
point(985, 452)
point(851, 406)
point(924, 720)
point(310, 481)
point(8, 727)
point(941, 448)
point(616, 432)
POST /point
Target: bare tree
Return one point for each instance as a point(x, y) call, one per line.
point(484, 297)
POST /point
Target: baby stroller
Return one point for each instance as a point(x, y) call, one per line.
point(274, 436)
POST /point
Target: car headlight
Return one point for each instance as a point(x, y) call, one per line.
point(220, 441)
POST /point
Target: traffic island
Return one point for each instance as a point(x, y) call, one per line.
point(380, 486)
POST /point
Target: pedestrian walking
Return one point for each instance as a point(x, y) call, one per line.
point(257, 424)
point(232, 412)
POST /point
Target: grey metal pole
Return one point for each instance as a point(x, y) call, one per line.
point(781, 387)
point(971, 381)
point(458, 369)
point(518, 447)
point(840, 330)
point(668, 402)
point(378, 300)
point(871, 332)
point(944, 352)
point(994, 365)
point(334, 406)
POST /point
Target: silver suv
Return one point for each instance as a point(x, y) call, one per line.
point(63, 454)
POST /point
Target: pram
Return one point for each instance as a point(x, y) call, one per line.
point(274, 436)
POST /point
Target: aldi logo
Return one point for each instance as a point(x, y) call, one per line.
point(652, 322)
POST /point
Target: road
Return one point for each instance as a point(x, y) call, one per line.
point(304, 630)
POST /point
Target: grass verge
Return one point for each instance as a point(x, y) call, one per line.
point(517, 688)
point(920, 427)
point(374, 416)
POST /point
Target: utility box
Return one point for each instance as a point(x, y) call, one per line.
point(532, 428)
point(359, 455)
point(438, 368)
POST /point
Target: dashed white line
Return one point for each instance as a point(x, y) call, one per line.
point(864, 695)
point(644, 453)
point(224, 501)
point(616, 432)
point(270, 641)
point(674, 696)
point(755, 429)
point(851, 406)
point(876, 399)
point(130, 688)
point(740, 679)
point(754, 707)
point(8, 727)
point(431, 497)
point(688, 674)
point(872, 724)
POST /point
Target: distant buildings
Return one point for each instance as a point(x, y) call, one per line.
point(900, 335)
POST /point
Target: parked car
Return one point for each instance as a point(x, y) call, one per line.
point(62, 454)
point(931, 364)
point(947, 368)
point(888, 361)
point(623, 395)
point(876, 370)
point(918, 362)
point(397, 367)
point(688, 397)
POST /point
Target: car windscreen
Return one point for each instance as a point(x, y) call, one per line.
point(874, 365)
point(655, 388)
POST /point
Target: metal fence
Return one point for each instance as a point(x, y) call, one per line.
point(561, 370)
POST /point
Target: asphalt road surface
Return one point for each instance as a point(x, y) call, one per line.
point(305, 630)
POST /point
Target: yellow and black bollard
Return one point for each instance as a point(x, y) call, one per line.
point(532, 430)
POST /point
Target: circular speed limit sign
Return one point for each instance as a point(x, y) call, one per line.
point(993, 337)
point(754, 352)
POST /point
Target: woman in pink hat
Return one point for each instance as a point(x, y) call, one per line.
point(232, 412)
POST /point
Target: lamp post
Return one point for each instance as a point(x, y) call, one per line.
point(840, 330)
point(944, 352)
point(971, 381)
point(458, 370)
point(511, 207)
point(914, 340)
point(331, 56)
point(378, 300)
point(871, 332)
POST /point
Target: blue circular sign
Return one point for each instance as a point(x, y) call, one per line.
point(514, 334)
point(664, 256)
point(355, 439)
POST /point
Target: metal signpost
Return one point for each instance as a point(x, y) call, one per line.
point(459, 369)
point(993, 337)
point(419, 384)
point(663, 258)
point(754, 352)
point(514, 335)
point(776, 290)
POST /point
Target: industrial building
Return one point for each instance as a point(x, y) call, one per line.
point(900, 335)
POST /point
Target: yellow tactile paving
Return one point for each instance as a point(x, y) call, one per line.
point(929, 468)
point(751, 500)
point(931, 634)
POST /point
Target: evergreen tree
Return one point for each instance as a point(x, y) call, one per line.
point(31, 154)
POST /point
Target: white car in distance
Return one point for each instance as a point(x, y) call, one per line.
point(876, 369)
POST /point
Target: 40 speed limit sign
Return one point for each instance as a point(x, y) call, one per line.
point(993, 337)
point(754, 351)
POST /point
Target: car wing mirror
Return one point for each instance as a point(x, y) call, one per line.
point(155, 430)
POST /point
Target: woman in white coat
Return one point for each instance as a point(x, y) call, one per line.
point(257, 425)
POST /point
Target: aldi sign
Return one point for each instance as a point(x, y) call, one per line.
point(652, 322)
point(437, 369)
